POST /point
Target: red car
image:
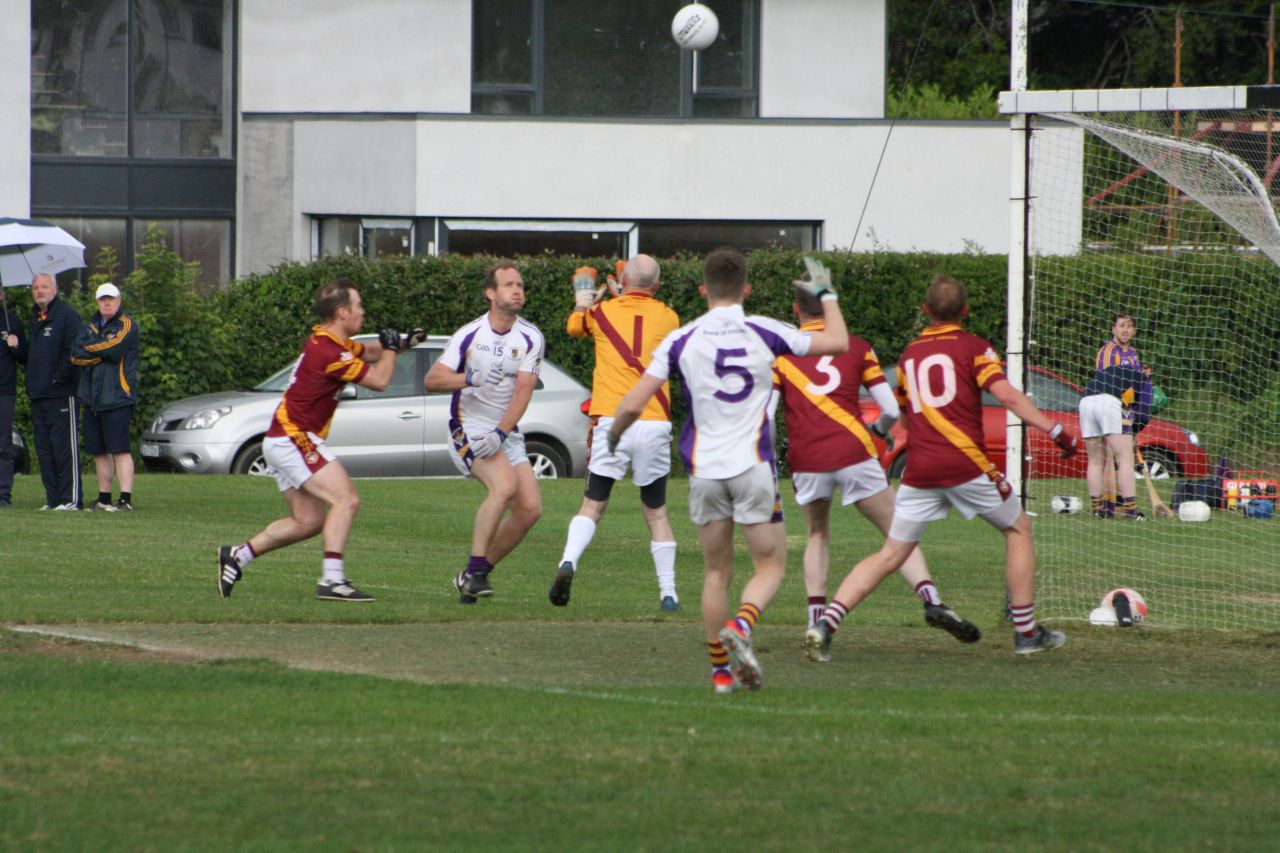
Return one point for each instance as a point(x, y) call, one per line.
point(1169, 449)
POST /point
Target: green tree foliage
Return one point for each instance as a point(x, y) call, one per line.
point(943, 54)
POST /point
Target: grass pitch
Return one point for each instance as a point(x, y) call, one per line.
point(139, 710)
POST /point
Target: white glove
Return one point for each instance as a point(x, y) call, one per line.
point(484, 446)
point(480, 378)
point(584, 298)
point(819, 281)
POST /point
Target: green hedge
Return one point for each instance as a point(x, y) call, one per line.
point(1211, 331)
point(269, 314)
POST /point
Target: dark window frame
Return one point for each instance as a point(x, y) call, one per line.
point(688, 92)
point(89, 186)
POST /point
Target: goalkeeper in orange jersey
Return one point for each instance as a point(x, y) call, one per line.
point(831, 449)
point(626, 329)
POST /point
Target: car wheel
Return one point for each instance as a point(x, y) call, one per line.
point(250, 460)
point(1161, 463)
point(898, 466)
point(548, 462)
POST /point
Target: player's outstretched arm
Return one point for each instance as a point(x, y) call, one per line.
point(1020, 404)
point(834, 337)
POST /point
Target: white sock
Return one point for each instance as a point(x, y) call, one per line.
point(664, 563)
point(242, 554)
point(333, 571)
point(927, 592)
point(581, 531)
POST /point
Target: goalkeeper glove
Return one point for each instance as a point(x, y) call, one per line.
point(1065, 440)
point(484, 446)
point(584, 287)
point(390, 339)
point(817, 280)
point(613, 281)
point(413, 337)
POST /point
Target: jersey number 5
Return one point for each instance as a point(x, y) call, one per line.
point(932, 382)
point(724, 370)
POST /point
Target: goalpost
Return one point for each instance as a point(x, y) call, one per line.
point(1159, 203)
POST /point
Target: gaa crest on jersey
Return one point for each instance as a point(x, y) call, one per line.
point(347, 355)
point(312, 458)
point(991, 354)
point(515, 353)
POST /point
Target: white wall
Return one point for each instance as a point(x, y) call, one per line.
point(942, 187)
point(368, 56)
point(822, 59)
point(15, 108)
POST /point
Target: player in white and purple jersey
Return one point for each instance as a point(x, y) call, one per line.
point(724, 361)
point(491, 365)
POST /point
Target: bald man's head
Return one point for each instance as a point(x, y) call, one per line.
point(642, 273)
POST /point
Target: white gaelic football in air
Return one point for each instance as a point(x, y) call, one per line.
point(1067, 504)
point(695, 27)
point(1193, 511)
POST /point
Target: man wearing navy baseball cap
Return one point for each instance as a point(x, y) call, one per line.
point(107, 351)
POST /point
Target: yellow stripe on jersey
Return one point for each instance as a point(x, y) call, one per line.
point(958, 439)
point(793, 374)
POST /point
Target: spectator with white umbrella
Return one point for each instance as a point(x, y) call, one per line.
point(33, 252)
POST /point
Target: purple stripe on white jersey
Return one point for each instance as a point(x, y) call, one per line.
point(764, 448)
point(689, 431)
point(775, 343)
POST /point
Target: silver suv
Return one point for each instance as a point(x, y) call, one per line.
point(399, 432)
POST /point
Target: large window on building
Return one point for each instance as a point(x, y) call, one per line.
point(141, 78)
point(593, 59)
point(363, 237)
point(132, 120)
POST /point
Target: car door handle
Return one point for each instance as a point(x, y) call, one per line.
point(408, 416)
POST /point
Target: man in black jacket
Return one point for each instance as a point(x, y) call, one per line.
point(51, 385)
point(107, 351)
point(13, 351)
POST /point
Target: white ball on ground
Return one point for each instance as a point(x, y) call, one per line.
point(1137, 604)
point(695, 27)
point(1193, 511)
point(1069, 504)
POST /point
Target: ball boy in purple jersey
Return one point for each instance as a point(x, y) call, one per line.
point(1114, 408)
point(725, 362)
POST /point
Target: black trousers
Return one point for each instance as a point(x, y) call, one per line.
point(57, 439)
point(8, 404)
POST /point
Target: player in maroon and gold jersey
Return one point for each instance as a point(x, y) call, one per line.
point(318, 490)
point(830, 448)
point(941, 377)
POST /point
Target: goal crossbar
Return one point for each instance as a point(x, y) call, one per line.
point(1166, 99)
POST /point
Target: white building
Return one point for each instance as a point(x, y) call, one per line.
point(258, 131)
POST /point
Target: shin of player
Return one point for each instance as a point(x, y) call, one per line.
point(941, 377)
point(831, 448)
point(490, 366)
point(626, 330)
point(320, 494)
point(725, 361)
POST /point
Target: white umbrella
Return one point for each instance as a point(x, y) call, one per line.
point(31, 246)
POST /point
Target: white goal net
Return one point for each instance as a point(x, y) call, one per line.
point(1169, 217)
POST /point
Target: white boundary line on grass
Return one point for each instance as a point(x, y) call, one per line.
point(719, 704)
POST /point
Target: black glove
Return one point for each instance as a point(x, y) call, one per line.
point(390, 339)
point(414, 337)
point(883, 434)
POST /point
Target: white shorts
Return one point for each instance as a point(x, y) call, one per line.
point(1101, 414)
point(291, 464)
point(855, 482)
point(645, 447)
point(513, 447)
point(914, 508)
point(748, 498)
